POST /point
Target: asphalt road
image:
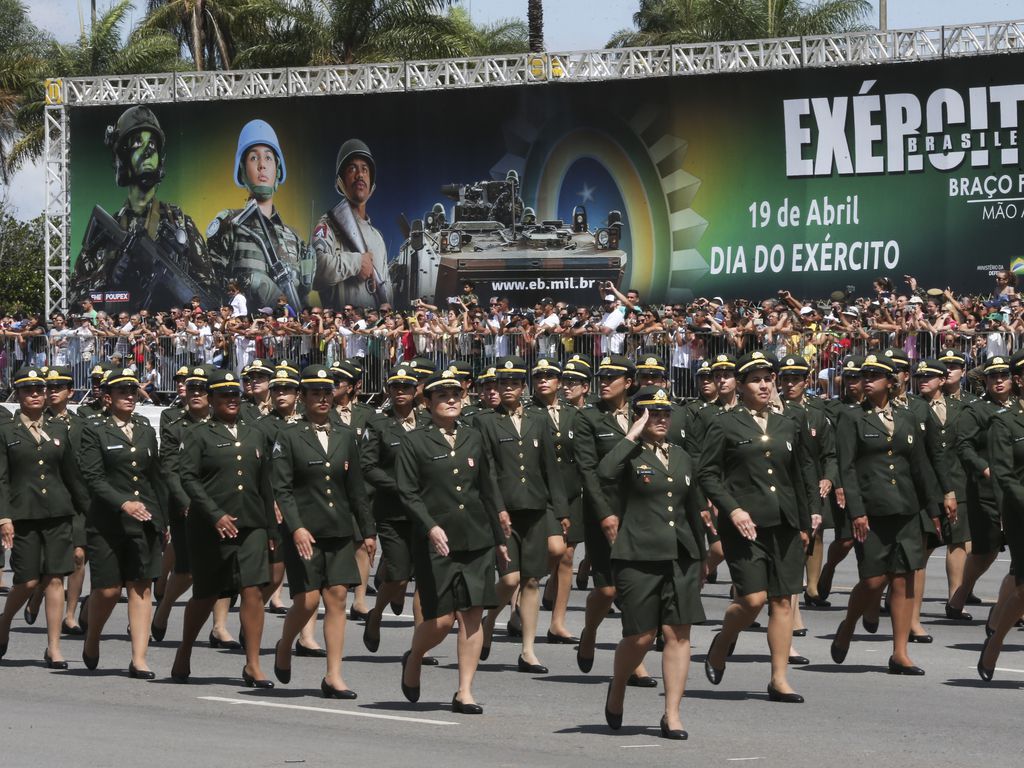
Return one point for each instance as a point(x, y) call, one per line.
point(855, 714)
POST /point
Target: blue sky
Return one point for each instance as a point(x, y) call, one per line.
point(569, 25)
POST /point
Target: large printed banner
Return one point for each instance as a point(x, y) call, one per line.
point(730, 185)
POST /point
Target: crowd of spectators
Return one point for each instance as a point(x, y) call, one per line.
point(900, 314)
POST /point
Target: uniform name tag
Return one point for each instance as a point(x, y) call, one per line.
point(607, 434)
point(223, 445)
point(1018, 439)
point(16, 442)
point(438, 458)
point(114, 447)
point(743, 442)
point(873, 434)
point(395, 445)
point(643, 472)
point(313, 463)
point(505, 439)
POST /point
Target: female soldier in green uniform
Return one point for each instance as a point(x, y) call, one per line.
point(758, 473)
point(120, 464)
point(881, 471)
point(40, 493)
point(1006, 460)
point(387, 432)
point(657, 553)
point(445, 482)
point(224, 470)
point(318, 485)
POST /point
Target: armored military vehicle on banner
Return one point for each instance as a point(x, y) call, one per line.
point(498, 244)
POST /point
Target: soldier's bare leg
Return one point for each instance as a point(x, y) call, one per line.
point(307, 637)
point(101, 605)
point(140, 616)
point(919, 584)
point(335, 600)
point(16, 598)
point(196, 614)
point(561, 578)
point(1008, 609)
point(470, 641)
point(901, 608)
point(837, 552)
point(956, 558)
point(529, 614)
point(177, 585)
point(251, 613)
point(738, 616)
point(303, 609)
point(388, 592)
point(675, 666)
point(974, 569)
point(629, 654)
point(359, 599)
point(272, 592)
point(865, 593)
point(814, 563)
point(74, 591)
point(53, 589)
point(221, 609)
point(599, 601)
point(425, 637)
point(505, 588)
point(780, 641)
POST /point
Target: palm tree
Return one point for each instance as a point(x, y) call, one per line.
point(322, 32)
point(20, 65)
point(535, 21)
point(103, 50)
point(668, 22)
point(205, 28)
point(503, 36)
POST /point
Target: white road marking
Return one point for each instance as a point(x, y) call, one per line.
point(739, 759)
point(328, 711)
point(639, 746)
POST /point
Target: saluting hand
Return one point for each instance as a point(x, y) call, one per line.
point(439, 539)
point(304, 542)
point(7, 535)
point(506, 524)
point(861, 528)
point(136, 510)
point(226, 527)
point(638, 426)
point(744, 523)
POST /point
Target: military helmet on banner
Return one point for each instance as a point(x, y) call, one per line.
point(356, 148)
point(253, 133)
point(133, 120)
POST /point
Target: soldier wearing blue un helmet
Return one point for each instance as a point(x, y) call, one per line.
point(252, 246)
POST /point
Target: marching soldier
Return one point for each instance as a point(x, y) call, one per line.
point(40, 494)
point(884, 474)
point(225, 473)
point(707, 397)
point(127, 518)
point(257, 402)
point(318, 485)
point(92, 404)
point(445, 482)
point(387, 432)
point(521, 452)
point(657, 553)
point(259, 252)
point(464, 371)
point(651, 371)
point(983, 513)
point(759, 474)
point(546, 377)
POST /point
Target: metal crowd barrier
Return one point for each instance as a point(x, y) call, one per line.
point(157, 360)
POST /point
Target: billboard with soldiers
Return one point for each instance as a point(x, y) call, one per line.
point(731, 185)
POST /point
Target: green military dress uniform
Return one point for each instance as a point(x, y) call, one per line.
point(172, 434)
point(529, 484)
point(244, 243)
point(886, 478)
point(562, 437)
point(658, 553)
point(983, 513)
point(454, 488)
point(384, 440)
point(322, 491)
point(1006, 459)
point(225, 473)
point(821, 440)
point(75, 424)
point(770, 475)
point(118, 469)
point(40, 492)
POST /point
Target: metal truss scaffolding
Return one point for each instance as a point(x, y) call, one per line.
point(871, 47)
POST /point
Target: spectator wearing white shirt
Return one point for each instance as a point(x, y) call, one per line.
point(548, 328)
point(236, 299)
point(611, 322)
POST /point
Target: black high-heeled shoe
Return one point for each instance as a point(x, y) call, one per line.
point(30, 616)
point(774, 694)
point(871, 627)
point(91, 662)
point(283, 675)
point(546, 605)
point(181, 678)
point(811, 601)
point(139, 674)
point(371, 633)
point(802, 632)
point(531, 669)
point(330, 692)
point(252, 682)
point(411, 692)
point(614, 720)
point(561, 639)
point(677, 734)
point(355, 615)
point(584, 663)
point(957, 614)
point(895, 668)
point(641, 681)
point(70, 631)
point(798, 660)
point(838, 654)
point(227, 645)
point(925, 639)
point(465, 709)
point(157, 633)
point(983, 673)
point(83, 614)
point(51, 664)
point(309, 653)
point(713, 675)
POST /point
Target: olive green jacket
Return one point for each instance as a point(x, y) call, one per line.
point(597, 433)
point(39, 481)
point(1006, 459)
point(172, 432)
point(379, 456)
point(563, 439)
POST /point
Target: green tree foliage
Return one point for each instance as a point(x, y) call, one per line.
point(323, 32)
point(670, 22)
point(503, 36)
point(209, 31)
point(20, 65)
point(21, 263)
point(101, 50)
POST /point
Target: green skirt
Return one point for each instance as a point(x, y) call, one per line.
point(658, 593)
point(528, 544)
point(598, 552)
point(114, 562)
point(983, 521)
point(396, 542)
point(333, 564)
point(772, 563)
point(222, 568)
point(458, 582)
point(42, 547)
point(575, 533)
point(894, 545)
